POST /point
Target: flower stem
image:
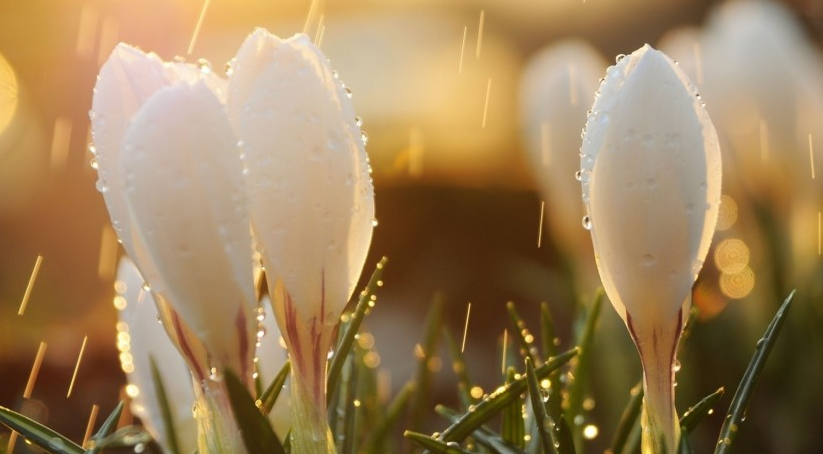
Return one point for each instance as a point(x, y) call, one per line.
point(310, 432)
point(217, 431)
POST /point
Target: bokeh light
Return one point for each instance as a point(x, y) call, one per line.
point(731, 256)
point(737, 285)
point(8, 94)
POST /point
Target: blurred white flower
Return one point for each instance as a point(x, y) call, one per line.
point(145, 338)
point(651, 172)
point(311, 203)
point(555, 93)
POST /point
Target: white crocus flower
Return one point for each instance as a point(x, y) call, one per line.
point(651, 185)
point(145, 338)
point(311, 204)
point(170, 172)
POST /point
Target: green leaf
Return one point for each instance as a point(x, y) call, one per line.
point(419, 404)
point(523, 336)
point(109, 425)
point(127, 437)
point(258, 436)
point(350, 412)
point(513, 427)
point(341, 351)
point(499, 399)
point(547, 333)
point(270, 395)
point(628, 421)
point(565, 440)
point(459, 368)
point(541, 416)
point(38, 434)
point(700, 410)
point(580, 367)
point(433, 444)
point(165, 408)
point(377, 437)
point(483, 436)
point(737, 409)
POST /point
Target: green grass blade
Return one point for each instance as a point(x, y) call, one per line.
point(350, 410)
point(419, 404)
point(343, 347)
point(499, 399)
point(548, 334)
point(165, 408)
point(38, 434)
point(513, 429)
point(483, 436)
point(700, 410)
point(127, 437)
point(109, 425)
point(434, 445)
point(628, 420)
point(376, 438)
point(270, 395)
point(258, 436)
point(743, 395)
point(459, 368)
point(541, 416)
point(550, 344)
point(565, 440)
point(580, 367)
point(523, 336)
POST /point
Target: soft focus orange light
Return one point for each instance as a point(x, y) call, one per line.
point(8, 94)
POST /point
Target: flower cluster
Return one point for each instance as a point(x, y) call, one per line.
point(201, 175)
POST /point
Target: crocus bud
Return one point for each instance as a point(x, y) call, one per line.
point(650, 171)
point(171, 175)
point(311, 204)
point(142, 340)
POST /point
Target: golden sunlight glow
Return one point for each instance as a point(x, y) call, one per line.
point(8, 94)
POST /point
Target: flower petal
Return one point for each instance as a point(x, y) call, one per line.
point(310, 193)
point(184, 191)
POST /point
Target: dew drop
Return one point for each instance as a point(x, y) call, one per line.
point(587, 222)
point(358, 121)
point(364, 137)
point(203, 65)
point(619, 58)
point(93, 163)
point(348, 92)
point(578, 175)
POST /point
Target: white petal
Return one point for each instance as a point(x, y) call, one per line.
point(651, 183)
point(148, 339)
point(310, 193)
point(184, 190)
point(127, 79)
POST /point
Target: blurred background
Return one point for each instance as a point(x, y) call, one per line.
point(473, 110)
